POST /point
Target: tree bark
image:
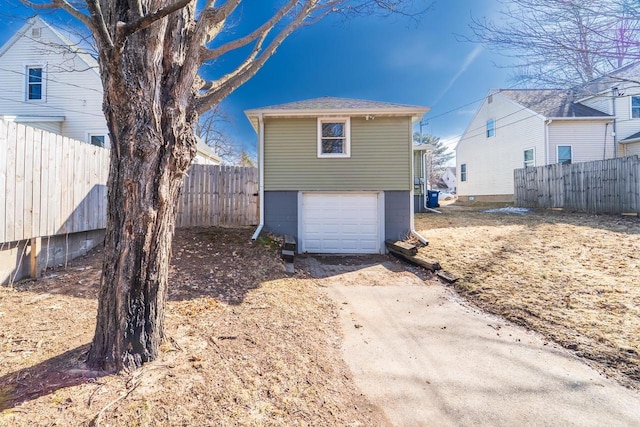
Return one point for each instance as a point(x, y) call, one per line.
point(151, 129)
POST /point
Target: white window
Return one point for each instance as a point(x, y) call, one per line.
point(35, 83)
point(564, 154)
point(334, 137)
point(98, 137)
point(98, 140)
point(463, 172)
point(529, 158)
point(491, 128)
point(635, 107)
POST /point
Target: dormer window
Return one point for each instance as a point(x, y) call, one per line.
point(35, 83)
point(334, 137)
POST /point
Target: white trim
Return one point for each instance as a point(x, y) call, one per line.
point(346, 138)
point(261, 177)
point(558, 149)
point(534, 157)
point(34, 119)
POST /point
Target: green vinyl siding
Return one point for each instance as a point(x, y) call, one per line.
point(380, 156)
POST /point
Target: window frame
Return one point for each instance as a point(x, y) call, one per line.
point(533, 159)
point(631, 107)
point(102, 133)
point(491, 130)
point(558, 154)
point(346, 138)
point(42, 83)
point(463, 172)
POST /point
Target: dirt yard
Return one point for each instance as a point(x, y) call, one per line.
point(247, 345)
point(573, 277)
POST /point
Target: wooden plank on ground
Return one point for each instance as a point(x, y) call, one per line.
point(445, 275)
point(401, 247)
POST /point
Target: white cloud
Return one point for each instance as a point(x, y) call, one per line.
point(470, 58)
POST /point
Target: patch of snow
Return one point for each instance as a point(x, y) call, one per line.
point(509, 210)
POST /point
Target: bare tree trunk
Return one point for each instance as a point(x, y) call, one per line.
point(151, 149)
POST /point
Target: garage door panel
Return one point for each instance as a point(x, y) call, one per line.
point(340, 223)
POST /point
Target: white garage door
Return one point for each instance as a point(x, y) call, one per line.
point(336, 223)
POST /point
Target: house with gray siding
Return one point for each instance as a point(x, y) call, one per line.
point(336, 173)
point(516, 128)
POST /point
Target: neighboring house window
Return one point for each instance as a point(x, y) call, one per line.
point(491, 128)
point(463, 172)
point(564, 154)
point(529, 158)
point(35, 83)
point(95, 139)
point(635, 107)
point(334, 138)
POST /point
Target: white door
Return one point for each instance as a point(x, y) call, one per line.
point(347, 223)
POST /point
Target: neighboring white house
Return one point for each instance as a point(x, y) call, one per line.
point(448, 178)
point(532, 127)
point(51, 83)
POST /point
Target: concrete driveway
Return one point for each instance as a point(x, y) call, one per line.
point(426, 359)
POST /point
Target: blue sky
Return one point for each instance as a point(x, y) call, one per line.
point(390, 59)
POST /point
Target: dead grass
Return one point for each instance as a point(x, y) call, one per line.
point(247, 345)
point(573, 277)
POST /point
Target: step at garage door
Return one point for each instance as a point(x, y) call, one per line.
point(341, 223)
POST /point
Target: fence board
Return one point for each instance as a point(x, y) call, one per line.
point(3, 176)
point(603, 186)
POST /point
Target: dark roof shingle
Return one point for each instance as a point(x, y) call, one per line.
point(551, 102)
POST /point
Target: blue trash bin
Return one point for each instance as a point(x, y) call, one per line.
point(432, 200)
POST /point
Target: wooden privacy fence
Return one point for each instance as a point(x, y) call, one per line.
point(219, 196)
point(52, 185)
point(49, 184)
point(602, 186)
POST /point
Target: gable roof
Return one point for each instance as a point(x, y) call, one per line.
point(64, 41)
point(552, 103)
point(329, 105)
point(631, 138)
point(630, 72)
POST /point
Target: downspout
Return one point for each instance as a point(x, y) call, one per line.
point(424, 192)
point(546, 141)
point(412, 226)
point(614, 93)
point(261, 175)
point(425, 177)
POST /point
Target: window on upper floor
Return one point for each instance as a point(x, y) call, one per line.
point(564, 154)
point(35, 83)
point(334, 139)
point(491, 128)
point(463, 172)
point(635, 107)
point(529, 158)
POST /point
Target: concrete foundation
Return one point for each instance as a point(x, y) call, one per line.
point(487, 198)
point(27, 258)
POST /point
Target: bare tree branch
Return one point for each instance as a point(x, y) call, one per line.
point(99, 28)
point(64, 5)
point(146, 20)
point(243, 41)
point(212, 97)
point(563, 42)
